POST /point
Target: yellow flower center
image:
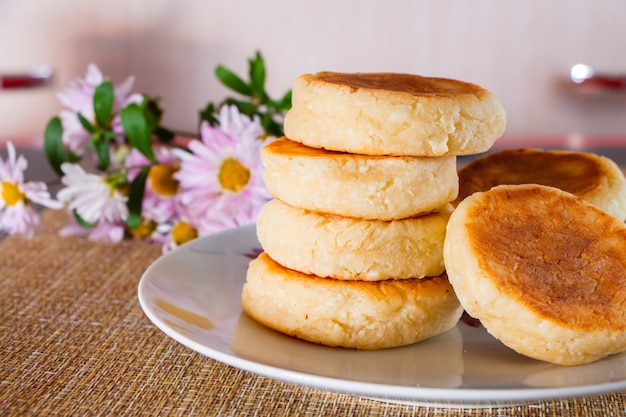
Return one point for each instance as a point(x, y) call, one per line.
point(11, 193)
point(233, 176)
point(117, 182)
point(162, 179)
point(145, 229)
point(183, 233)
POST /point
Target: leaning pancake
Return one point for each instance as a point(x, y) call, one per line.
point(353, 249)
point(351, 314)
point(363, 186)
point(595, 178)
point(542, 269)
point(393, 114)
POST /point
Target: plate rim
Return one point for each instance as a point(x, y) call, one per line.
point(455, 397)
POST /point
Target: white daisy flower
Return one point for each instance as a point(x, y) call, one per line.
point(17, 215)
point(93, 197)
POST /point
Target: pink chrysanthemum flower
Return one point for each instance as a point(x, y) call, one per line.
point(180, 233)
point(160, 209)
point(17, 215)
point(78, 98)
point(159, 203)
point(221, 179)
point(96, 200)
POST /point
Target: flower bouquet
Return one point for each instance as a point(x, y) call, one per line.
point(123, 174)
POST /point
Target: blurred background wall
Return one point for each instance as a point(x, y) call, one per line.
point(520, 49)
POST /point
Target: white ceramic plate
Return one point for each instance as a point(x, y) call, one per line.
point(193, 295)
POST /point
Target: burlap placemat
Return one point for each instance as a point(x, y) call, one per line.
point(74, 341)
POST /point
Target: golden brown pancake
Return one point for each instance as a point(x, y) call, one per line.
point(360, 186)
point(353, 249)
point(595, 178)
point(393, 114)
point(351, 314)
point(542, 269)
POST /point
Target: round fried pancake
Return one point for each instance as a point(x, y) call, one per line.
point(351, 314)
point(542, 269)
point(353, 249)
point(393, 114)
point(595, 178)
point(362, 186)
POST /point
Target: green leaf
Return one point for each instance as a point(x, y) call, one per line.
point(103, 103)
point(85, 123)
point(232, 81)
point(271, 126)
point(135, 198)
point(152, 113)
point(257, 76)
point(285, 102)
point(71, 157)
point(137, 130)
point(257, 101)
point(109, 135)
point(244, 107)
point(164, 135)
point(53, 144)
point(266, 122)
point(103, 153)
point(82, 222)
point(208, 114)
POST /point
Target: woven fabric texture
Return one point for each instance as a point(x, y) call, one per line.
point(74, 341)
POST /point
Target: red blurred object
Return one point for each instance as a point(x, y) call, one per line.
point(586, 77)
point(35, 77)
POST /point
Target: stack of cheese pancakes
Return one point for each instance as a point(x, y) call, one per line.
point(363, 180)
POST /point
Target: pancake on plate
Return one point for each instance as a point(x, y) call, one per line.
point(353, 249)
point(354, 185)
point(595, 178)
point(393, 114)
point(542, 269)
point(351, 314)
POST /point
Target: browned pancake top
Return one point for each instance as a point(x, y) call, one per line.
point(399, 288)
point(404, 83)
point(574, 172)
point(288, 148)
point(558, 255)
